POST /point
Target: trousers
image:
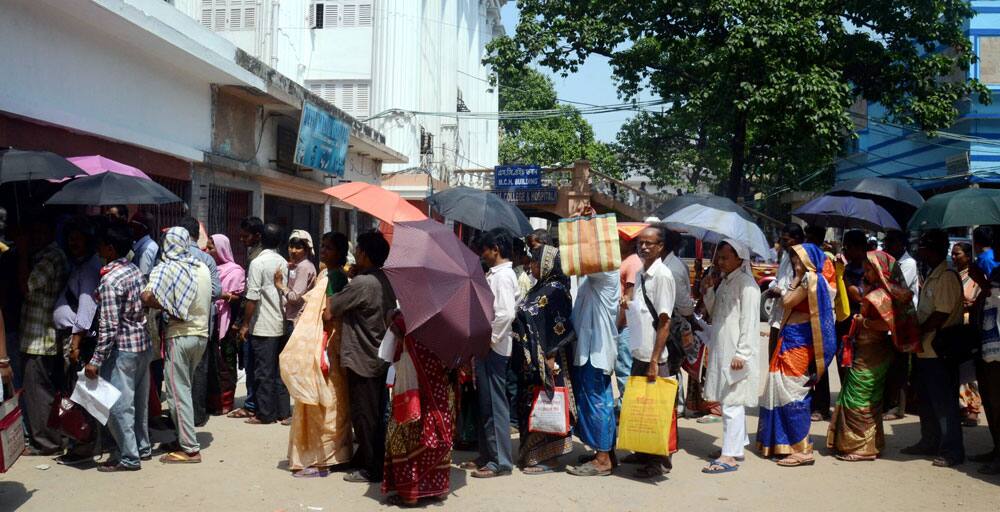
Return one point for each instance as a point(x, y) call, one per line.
point(183, 355)
point(734, 430)
point(128, 420)
point(494, 413)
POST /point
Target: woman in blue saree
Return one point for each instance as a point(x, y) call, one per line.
point(806, 345)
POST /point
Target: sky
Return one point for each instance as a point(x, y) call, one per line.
point(592, 83)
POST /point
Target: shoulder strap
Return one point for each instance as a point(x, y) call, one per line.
point(649, 303)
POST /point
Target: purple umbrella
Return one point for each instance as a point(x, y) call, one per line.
point(846, 212)
point(441, 288)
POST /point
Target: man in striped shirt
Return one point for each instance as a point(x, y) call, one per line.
point(123, 351)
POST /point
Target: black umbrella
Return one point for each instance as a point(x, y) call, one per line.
point(895, 195)
point(112, 188)
point(17, 165)
point(709, 200)
point(846, 212)
point(480, 209)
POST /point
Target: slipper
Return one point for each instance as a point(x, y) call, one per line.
point(311, 473)
point(709, 418)
point(240, 413)
point(181, 458)
point(726, 468)
point(588, 469)
point(537, 469)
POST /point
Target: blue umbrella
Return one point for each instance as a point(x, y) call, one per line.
point(846, 212)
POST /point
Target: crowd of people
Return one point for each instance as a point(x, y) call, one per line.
point(325, 350)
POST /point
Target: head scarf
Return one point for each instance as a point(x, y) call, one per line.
point(173, 281)
point(743, 252)
point(821, 319)
point(231, 276)
point(542, 325)
point(302, 234)
point(893, 302)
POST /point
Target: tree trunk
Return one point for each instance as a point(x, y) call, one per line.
point(737, 154)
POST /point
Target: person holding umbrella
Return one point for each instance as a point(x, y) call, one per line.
point(494, 247)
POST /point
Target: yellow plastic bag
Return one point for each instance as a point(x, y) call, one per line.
point(647, 414)
point(842, 308)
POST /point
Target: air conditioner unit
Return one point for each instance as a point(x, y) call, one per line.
point(316, 15)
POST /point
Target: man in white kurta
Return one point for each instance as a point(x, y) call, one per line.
point(734, 355)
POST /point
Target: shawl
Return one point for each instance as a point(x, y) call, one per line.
point(173, 281)
point(821, 317)
point(894, 302)
point(301, 361)
point(543, 322)
point(233, 279)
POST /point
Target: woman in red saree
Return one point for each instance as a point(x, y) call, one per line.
point(419, 436)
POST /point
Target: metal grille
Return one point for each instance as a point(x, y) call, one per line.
point(167, 215)
point(226, 209)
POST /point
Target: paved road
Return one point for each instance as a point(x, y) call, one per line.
point(242, 470)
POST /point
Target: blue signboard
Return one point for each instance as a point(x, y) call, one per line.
point(525, 196)
point(322, 142)
point(517, 176)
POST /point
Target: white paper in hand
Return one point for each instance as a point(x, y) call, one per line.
point(734, 376)
point(97, 396)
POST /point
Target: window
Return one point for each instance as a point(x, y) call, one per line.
point(343, 13)
point(989, 60)
point(222, 15)
point(351, 96)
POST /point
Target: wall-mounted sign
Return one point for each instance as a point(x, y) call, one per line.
point(322, 141)
point(517, 176)
point(526, 196)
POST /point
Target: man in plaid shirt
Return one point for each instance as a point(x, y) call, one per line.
point(123, 351)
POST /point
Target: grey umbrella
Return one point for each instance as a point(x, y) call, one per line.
point(712, 201)
point(17, 165)
point(112, 188)
point(480, 209)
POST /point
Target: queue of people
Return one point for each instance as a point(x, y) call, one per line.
point(325, 350)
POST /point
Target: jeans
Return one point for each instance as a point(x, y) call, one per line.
point(494, 413)
point(128, 420)
point(183, 355)
point(250, 403)
point(623, 365)
point(273, 402)
point(940, 422)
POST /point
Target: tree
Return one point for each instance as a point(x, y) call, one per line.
point(551, 140)
point(771, 81)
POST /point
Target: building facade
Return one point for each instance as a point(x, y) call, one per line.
point(966, 153)
point(139, 82)
point(399, 63)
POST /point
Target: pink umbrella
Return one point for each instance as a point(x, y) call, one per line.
point(97, 164)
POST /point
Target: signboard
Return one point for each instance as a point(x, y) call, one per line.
point(526, 196)
point(517, 176)
point(322, 141)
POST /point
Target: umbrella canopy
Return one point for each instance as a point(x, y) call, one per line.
point(713, 225)
point(385, 205)
point(442, 291)
point(98, 164)
point(846, 212)
point(480, 209)
point(896, 196)
point(961, 208)
point(714, 202)
point(629, 230)
point(16, 165)
point(112, 188)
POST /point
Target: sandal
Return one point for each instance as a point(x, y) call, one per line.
point(853, 457)
point(709, 418)
point(287, 421)
point(181, 458)
point(469, 465)
point(537, 469)
point(588, 469)
point(795, 460)
point(488, 473)
point(256, 421)
point(240, 413)
point(311, 473)
point(722, 468)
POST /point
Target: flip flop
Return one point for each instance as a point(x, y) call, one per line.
point(588, 469)
point(794, 462)
point(726, 468)
point(311, 473)
point(180, 458)
point(538, 469)
point(240, 413)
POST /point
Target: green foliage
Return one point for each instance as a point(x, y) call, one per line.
point(767, 83)
point(548, 141)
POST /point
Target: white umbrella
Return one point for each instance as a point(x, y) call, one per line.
point(712, 225)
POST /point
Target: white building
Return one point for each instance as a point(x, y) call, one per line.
point(139, 82)
point(375, 58)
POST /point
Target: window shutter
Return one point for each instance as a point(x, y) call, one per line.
point(350, 15)
point(365, 15)
point(206, 18)
point(347, 97)
point(249, 17)
point(219, 21)
point(235, 19)
point(330, 14)
point(361, 100)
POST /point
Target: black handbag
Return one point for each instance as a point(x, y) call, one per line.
point(957, 344)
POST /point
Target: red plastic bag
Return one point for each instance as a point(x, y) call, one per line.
point(70, 418)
